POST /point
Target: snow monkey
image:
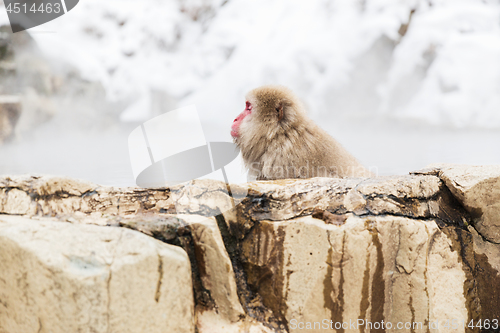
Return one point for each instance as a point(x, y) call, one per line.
point(278, 140)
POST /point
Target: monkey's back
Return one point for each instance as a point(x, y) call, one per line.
point(307, 151)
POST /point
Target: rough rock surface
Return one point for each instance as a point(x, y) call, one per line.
point(376, 241)
point(35, 195)
point(295, 255)
point(61, 277)
point(417, 197)
point(478, 189)
point(393, 269)
point(201, 238)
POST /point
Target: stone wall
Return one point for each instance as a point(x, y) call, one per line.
point(416, 253)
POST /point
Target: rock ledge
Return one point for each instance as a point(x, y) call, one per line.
point(421, 248)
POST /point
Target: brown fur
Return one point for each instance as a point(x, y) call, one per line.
point(279, 141)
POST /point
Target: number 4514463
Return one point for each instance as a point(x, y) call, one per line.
point(48, 8)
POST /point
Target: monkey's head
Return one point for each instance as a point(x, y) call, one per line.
point(269, 110)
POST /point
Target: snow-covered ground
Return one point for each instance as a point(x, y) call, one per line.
point(342, 56)
point(401, 83)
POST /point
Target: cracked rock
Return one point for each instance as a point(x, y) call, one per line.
point(419, 248)
point(63, 277)
point(478, 189)
point(375, 268)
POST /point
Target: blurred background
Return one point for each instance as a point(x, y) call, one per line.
point(400, 83)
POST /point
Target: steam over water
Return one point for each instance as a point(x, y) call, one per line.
point(383, 145)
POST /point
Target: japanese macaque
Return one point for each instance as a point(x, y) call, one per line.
point(278, 140)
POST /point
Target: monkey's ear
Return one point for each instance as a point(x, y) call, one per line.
point(279, 109)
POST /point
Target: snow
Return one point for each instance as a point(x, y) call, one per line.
point(342, 57)
point(4, 19)
point(461, 85)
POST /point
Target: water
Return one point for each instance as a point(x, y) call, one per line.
point(388, 146)
point(399, 147)
point(98, 157)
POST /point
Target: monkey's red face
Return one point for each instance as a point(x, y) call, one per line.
point(235, 128)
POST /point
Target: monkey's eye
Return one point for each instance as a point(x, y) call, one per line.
point(248, 106)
